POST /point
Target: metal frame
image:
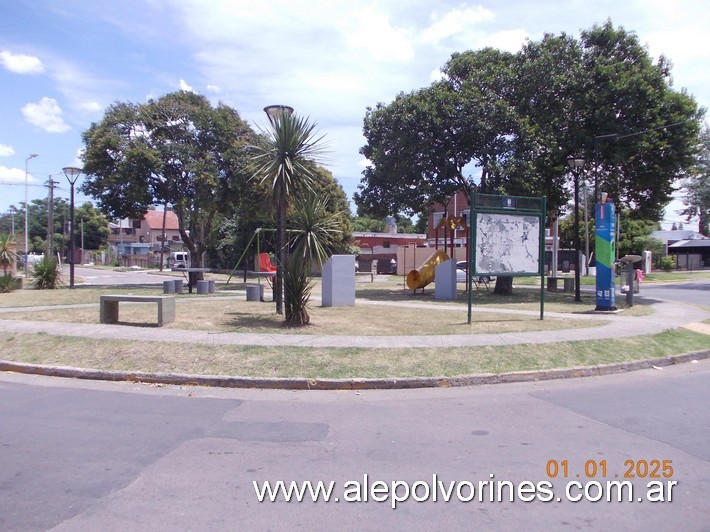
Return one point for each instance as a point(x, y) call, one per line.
point(511, 205)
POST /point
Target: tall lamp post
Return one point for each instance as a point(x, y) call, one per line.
point(27, 173)
point(575, 163)
point(274, 112)
point(72, 174)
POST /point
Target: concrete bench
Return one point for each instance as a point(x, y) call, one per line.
point(371, 275)
point(109, 307)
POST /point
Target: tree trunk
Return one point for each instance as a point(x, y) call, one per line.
point(298, 319)
point(504, 286)
point(280, 256)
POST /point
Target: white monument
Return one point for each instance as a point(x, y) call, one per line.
point(445, 280)
point(339, 281)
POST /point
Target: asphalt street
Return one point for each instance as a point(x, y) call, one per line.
point(84, 455)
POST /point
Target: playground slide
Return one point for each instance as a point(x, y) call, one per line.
point(422, 276)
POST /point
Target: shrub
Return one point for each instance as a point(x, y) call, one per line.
point(8, 255)
point(297, 290)
point(7, 283)
point(667, 264)
point(46, 274)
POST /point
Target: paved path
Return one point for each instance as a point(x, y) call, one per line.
point(667, 315)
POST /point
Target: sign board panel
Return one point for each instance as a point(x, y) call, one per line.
point(507, 244)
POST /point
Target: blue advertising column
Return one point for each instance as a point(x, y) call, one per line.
point(605, 246)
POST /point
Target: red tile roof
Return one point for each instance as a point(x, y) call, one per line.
point(154, 219)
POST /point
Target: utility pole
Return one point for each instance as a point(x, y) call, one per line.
point(50, 217)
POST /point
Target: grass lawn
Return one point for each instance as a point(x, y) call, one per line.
point(374, 314)
point(331, 363)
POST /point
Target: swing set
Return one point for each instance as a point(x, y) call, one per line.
point(264, 268)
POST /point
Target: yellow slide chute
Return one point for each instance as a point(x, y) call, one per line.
point(423, 275)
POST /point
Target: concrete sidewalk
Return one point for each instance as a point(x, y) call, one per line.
point(667, 315)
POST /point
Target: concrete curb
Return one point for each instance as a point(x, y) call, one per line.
point(223, 381)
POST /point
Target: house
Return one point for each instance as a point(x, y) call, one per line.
point(138, 242)
point(690, 249)
point(379, 250)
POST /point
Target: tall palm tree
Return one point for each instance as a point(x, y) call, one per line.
point(290, 144)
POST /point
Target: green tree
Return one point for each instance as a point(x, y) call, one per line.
point(94, 226)
point(369, 224)
point(518, 117)
point(324, 185)
point(635, 235)
point(176, 150)
point(656, 127)
point(283, 159)
point(697, 187)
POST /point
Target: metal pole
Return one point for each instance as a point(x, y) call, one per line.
point(71, 238)
point(577, 295)
point(586, 229)
point(27, 160)
point(72, 175)
point(50, 219)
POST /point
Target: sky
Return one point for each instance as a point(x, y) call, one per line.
point(63, 63)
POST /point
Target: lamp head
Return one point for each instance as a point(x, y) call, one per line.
point(575, 162)
point(275, 111)
point(72, 173)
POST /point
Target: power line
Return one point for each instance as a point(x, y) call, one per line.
point(655, 129)
point(13, 184)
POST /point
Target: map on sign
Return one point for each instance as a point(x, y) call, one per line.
point(507, 243)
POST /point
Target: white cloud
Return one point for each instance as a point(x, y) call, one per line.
point(456, 21)
point(46, 114)
point(92, 107)
point(6, 151)
point(185, 87)
point(21, 63)
point(372, 31)
point(14, 175)
point(214, 88)
point(436, 75)
point(507, 40)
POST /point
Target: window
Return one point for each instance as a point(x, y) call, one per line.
point(466, 214)
point(386, 244)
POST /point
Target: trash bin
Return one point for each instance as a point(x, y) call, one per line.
point(168, 287)
point(203, 287)
point(255, 292)
point(178, 286)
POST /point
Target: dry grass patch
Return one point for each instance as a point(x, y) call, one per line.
point(236, 315)
point(330, 363)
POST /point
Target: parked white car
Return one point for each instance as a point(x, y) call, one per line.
point(461, 274)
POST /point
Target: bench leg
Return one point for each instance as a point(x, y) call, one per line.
point(109, 312)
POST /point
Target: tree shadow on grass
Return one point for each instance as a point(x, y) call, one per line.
point(247, 320)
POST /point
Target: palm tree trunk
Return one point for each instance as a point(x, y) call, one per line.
point(280, 256)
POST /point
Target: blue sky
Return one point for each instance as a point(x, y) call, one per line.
point(63, 62)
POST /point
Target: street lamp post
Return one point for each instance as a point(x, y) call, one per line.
point(274, 112)
point(575, 163)
point(32, 156)
point(72, 174)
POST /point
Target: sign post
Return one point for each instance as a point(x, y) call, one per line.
point(605, 246)
point(507, 239)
